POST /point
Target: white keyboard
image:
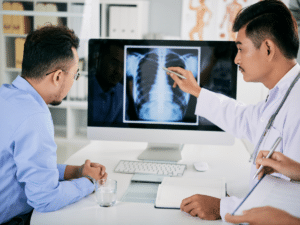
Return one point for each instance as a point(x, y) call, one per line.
point(153, 168)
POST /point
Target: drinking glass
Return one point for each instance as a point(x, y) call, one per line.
point(106, 192)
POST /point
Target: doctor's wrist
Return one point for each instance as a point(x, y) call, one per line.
point(196, 91)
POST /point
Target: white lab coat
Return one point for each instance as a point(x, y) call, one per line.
point(249, 121)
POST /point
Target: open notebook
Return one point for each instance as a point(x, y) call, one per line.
point(272, 191)
point(173, 190)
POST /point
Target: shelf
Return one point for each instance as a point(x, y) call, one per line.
point(60, 131)
point(15, 35)
point(70, 117)
point(37, 13)
point(74, 140)
point(10, 69)
point(63, 105)
point(71, 104)
point(61, 134)
point(78, 104)
point(80, 136)
point(15, 70)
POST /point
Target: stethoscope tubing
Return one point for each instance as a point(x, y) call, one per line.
point(271, 120)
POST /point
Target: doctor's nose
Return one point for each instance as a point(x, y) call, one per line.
point(237, 59)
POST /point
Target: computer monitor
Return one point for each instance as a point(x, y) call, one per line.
point(131, 98)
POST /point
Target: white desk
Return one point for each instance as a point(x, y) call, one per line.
point(230, 162)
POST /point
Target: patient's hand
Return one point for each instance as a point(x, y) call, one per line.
point(94, 170)
point(203, 206)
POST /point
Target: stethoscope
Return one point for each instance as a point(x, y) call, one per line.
point(271, 120)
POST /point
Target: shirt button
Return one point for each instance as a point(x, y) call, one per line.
point(262, 119)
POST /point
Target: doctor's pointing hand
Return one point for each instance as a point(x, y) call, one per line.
point(188, 85)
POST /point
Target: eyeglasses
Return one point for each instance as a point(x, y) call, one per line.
point(75, 78)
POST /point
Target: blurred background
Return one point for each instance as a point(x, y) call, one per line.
point(124, 19)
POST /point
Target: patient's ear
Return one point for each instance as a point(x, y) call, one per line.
point(57, 77)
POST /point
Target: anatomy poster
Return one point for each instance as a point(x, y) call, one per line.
point(211, 19)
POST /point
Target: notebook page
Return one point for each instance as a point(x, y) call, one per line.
point(173, 190)
point(188, 181)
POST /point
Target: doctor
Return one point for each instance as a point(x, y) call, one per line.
point(267, 43)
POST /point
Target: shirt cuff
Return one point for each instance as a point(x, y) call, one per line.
point(85, 185)
point(204, 102)
point(208, 102)
point(61, 170)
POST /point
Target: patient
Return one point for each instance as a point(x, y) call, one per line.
point(278, 163)
point(30, 177)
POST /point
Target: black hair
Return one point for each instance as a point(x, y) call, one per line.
point(48, 48)
point(273, 20)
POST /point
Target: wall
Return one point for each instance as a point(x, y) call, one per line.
point(165, 17)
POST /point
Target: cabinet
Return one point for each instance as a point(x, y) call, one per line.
point(89, 19)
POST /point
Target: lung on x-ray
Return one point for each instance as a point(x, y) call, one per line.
point(149, 88)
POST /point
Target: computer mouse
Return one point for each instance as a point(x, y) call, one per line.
point(201, 166)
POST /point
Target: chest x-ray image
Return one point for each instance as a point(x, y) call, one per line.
point(150, 88)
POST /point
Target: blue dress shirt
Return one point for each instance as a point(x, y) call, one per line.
point(30, 177)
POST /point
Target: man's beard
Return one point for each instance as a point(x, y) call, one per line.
point(55, 103)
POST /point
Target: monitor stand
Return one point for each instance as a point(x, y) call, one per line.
point(162, 152)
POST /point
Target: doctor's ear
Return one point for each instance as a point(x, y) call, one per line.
point(269, 48)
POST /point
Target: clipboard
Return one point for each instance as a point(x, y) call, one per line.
point(272, 191)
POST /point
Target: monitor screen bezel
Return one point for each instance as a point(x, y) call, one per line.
point(153, 133)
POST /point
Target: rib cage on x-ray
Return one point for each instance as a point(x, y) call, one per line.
point(153, 95)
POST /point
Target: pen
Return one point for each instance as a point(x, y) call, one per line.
point(179, 75)
point(269, 155)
